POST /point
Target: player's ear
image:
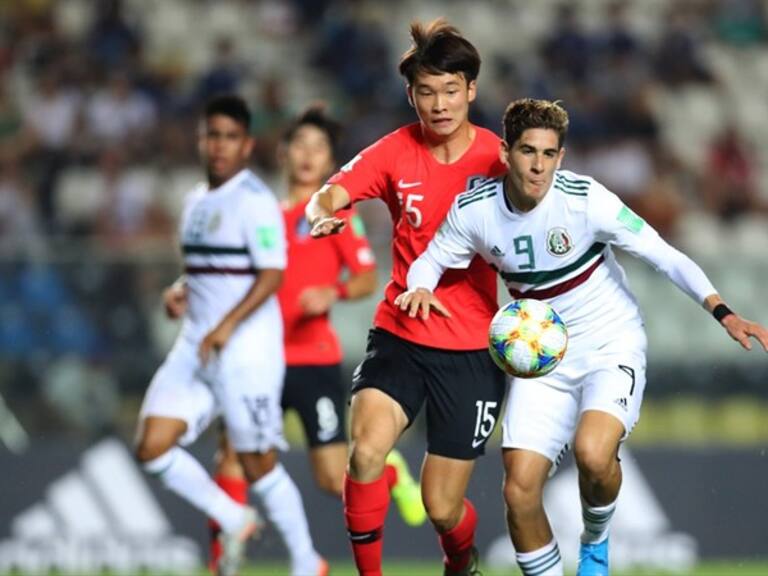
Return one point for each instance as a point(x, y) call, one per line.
point(504, 152)
point(560, 155)
point(250, 143)
point(409, 93)
point(472, 90)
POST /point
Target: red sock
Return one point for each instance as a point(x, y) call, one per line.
point(237, 488)
point(458, 541)
point(365, 508)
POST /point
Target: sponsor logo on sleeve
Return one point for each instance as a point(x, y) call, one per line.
point(267, 236)
point(630, 219)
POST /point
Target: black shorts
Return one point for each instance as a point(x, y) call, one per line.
point(318, 394)
point(464, 390)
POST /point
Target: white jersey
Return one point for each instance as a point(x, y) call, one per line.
point(559, 252)
point(228, 234)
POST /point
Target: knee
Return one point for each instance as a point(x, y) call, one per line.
point(521, 495)
point(151, 447)
point(594, 461)
point(442, 512)
point(228, 465)
point(366, 460)
point(333, 484)
point(257, 465)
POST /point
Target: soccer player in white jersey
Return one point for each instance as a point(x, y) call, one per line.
point(549, 233)
point(228, 357)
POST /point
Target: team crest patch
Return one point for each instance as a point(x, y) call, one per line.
point(559, 243)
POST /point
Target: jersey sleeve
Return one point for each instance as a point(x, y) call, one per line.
point(352, 244)
point(367, 174)
point(451, 247)
point(264, 231)
point(615, 223)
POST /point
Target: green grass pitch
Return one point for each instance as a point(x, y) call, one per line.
point(394, 568)
point(722, 568)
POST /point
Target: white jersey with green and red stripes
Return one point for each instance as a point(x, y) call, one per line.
point(559, 252)
point(227, 235)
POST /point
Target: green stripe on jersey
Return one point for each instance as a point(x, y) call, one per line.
point(470, 194)
point(630, 219)
point(576, 187)
point(572, 182)
point(203, 249)
point(475, 198)
point(564, 190)
point(549, 275)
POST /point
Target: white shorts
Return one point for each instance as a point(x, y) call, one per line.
point(542, 413)
point(242, 386)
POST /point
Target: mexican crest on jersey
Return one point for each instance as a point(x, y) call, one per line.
point(559, 243)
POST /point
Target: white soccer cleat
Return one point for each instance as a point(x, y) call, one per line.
point(233, 543)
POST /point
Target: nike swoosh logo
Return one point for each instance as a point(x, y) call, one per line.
point(476, 443)
point(359, 537)
point(401, 184)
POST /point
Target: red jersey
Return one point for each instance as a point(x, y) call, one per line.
point(311, 340)
point(419, 191)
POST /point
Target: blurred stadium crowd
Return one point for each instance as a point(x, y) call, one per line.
point(99, 99)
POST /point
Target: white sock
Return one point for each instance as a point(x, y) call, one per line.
point(545, 561)
point(284, 508)
point(179, 472)
point(597, 520)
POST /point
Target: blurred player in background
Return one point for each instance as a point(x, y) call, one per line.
point(312, 283)
point(417, 171)
point(228, 358)
point(549, 232)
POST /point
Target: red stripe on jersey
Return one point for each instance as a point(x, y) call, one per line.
point(558, 289)
point(418, 190)
point(220, 270)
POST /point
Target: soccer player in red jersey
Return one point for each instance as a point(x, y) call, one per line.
point(312, 283)
point(417, 171)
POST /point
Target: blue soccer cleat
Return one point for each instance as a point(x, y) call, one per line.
point(593, 559)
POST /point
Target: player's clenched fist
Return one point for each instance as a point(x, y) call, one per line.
point(420, 299)
point(175, 300)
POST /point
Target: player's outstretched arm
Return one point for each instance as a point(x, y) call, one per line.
point(420, 300)
point(322, 207)
point(738, 328)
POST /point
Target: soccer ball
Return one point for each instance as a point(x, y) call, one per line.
point(527, 338)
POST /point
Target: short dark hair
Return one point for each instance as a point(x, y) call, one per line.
point(527, 113)
point(439, 48)
point(317, 116)
point(232, 106)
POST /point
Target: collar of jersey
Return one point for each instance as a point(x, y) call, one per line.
point(506, 207)
point(232, 183)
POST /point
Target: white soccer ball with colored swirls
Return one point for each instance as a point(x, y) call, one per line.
point(527, 338)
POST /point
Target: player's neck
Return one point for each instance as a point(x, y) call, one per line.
point(298, 192)
point(448, 149)
point(516, 201)
point(215, 182)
